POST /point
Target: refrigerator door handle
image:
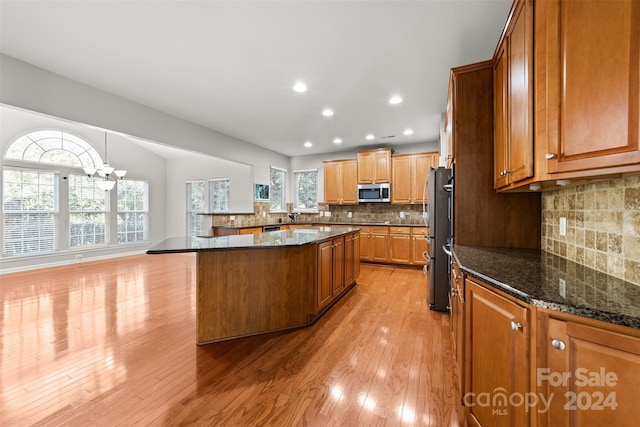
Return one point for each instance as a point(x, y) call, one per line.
point(447, 249)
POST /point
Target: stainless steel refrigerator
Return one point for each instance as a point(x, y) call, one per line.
point(438, 219)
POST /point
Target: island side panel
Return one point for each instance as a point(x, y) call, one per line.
point(249, 291)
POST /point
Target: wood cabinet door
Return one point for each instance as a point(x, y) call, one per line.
point(520, 93)
point(325, 274)
point(349, 254)
point(423, 164)
point(366, 252)
point(402, 170)
point(380, 247)
point(356, 256)
point(332, 182)
point(338, 281)
point(500, 119)
point(382, 166)
point(496, 359)
point(349, 182)
point(418, 245)
point(593, 66)
point(365, 167)
point(400, 248)
point(602, 373)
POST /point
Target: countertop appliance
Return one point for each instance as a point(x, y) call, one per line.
point(438, 214)
point(374, 192)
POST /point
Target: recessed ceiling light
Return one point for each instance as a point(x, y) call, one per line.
point(408, 132)
point(395, 100)
point(308, 144)
point(337, 141)
point(327, 112)
point(370, 137)
point(300, 87)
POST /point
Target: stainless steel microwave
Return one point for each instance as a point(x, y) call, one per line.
point(374, 193)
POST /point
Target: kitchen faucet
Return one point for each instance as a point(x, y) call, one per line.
point(293, 216)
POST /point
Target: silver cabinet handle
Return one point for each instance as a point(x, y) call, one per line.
point(454, 292)
point(550, 156)
point(558, 344)
point(515, 325)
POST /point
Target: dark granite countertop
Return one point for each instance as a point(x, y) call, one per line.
point(552, 282)
point(296, 237)
point(311, 223)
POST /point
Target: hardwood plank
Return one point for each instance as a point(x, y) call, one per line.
point(113, 343)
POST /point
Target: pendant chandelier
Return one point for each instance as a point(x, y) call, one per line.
point(105, 174)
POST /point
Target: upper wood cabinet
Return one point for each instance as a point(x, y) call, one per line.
point(513, 98)
point(484, 217)
point(374, 166)
point(409, 173)
point(340, 182)
point(590, 67)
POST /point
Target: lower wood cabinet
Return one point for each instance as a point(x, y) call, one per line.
point(351, 258)
point(365, 244)
point(525, 365)
point(251, 230)
point(400, 245)
point(338, 268)
point(456, 302)
point(497, 359)
point(379, 243)
point(589, 374)
point(418, 245)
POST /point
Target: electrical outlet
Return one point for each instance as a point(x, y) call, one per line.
point(264, 214)
point(349, 214)
point(562, 288)
point(327, 213)
point(232, 217)
point(402, 215)
point(321, 213)
point(78, 256)
point(563, 226)
point(425, 215)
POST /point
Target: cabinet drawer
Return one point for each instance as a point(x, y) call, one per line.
point(419, 231)
point(379, 229)
point(400, 230)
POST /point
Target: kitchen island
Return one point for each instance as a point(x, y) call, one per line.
point(264, 282)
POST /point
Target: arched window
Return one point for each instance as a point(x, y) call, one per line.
point(54, 147)
point(34, 215)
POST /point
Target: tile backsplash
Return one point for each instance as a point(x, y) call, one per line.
point(603, 226)
point(362, 213)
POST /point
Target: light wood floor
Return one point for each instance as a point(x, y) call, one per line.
point(113, 343)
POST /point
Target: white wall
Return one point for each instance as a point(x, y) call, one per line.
point(193, 167)
point(32, 88)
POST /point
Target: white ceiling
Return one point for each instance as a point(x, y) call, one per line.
point(230, 65)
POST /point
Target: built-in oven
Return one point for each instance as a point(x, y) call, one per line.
point(374, 193)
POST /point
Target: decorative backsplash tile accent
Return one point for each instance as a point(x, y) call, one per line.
point(603, 226)
point(362, 213)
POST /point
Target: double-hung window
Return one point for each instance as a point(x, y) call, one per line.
point(195, 208)
point(277, 201)
point(87, 212)
point(219, 195)
point(306, 190)
point(29, 211)
point(133, 211)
